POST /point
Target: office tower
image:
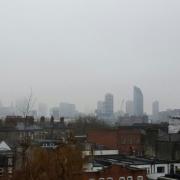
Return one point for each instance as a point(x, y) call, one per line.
point(42, 110)
point(138, 102)
point(155, 110)
point(100, 109)
point(55, 113)
point(109, 105)
point(67, 110)
point(129, 108)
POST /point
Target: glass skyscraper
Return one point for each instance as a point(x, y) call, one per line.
point(138, 102)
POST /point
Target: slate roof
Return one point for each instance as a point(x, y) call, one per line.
point(4, 147)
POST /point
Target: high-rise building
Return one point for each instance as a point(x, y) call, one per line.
point(138, 102)
point(55, 113)
point(129, 108)
point(105, 109)
point(109, 105)
point(155, 110)
point(100, 109)
point(42, 110)
point(67, 110)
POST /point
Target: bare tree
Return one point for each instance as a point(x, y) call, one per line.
point(26, 105)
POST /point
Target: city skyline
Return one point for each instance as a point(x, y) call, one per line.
point(77, 51)
point(122, 103)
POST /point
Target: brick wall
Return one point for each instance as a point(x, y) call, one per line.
point(115, 172)
point(126, 140)
point(107, 138)
point(130, 141)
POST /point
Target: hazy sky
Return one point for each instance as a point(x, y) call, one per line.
point(77, 50)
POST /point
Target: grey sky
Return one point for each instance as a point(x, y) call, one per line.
point(77, 50)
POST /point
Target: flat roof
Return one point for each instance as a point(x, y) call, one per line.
point(129, 160)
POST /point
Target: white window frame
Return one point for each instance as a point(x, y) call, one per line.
point(10, 161)
point(122, 178)
point(129, 178)
point(140, 178)
point(110, 178)
point(160, 167)
point(10, 170)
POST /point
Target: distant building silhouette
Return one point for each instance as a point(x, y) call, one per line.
point(105, 109)
point(67, 110)
point(109, 105)
point(138, 102)
point(155, 110)
point(42, 110)
point(100, 108)
point(55, 113)
point(129, 108)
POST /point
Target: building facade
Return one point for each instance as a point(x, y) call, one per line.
point(129, 108)
point(127, 140)
point(67, 110)
point(155, 110)
point(116, 172)
point(109, 105)
point(138, 102)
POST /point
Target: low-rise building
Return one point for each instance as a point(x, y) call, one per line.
point(6, 160)
point(127, 140)
point(116, 172)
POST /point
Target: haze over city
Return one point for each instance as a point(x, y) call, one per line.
point(76, 51)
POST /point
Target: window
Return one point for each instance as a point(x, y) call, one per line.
point(101, 178)
point(10, 162)
point(129, 178)
point(122, 178)
point(10, 170)
point(123, 140)
point(1, 171)
point(109, 178)
point(148, 170)
point(160, 169)
point(140, 178)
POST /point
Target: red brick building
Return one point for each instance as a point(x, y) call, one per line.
point(116, 172)
point(127, 140)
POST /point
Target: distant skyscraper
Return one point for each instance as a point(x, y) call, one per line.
point(55, 113)
point(129, 108)
point(109, 105)
point(42, 110)
point(138, 102)
point(155, 110)
point(100, 109)
point(67, 110)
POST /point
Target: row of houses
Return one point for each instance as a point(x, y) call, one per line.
point(149, 141)
point(138, 152)
point(104, 164)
